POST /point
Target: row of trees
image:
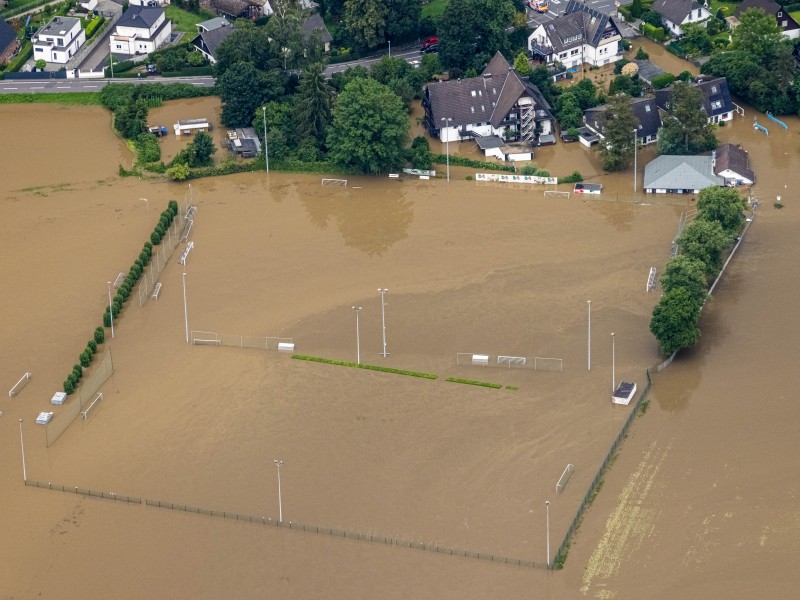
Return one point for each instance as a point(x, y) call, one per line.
point(720, 217)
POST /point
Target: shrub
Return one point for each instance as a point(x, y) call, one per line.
point(92, 345)
point(99, 335)
point(663, 80)
point(107, 319)
point(173, 207)
point(655, 33)
point(641, 54)
point(574, 177)
point(155, 238)
point(148, 246)
point(144, 258)
point(93, 26)
point(69, 387)
point(179, 172)
point(85, 358)
point(77, 370)
point(147, 148)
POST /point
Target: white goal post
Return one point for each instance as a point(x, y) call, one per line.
point(339, 182)
point(556, 194)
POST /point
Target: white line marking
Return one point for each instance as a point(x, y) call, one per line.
point(10, 88)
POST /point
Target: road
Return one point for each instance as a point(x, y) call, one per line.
point(412, 55)
point(56, 86)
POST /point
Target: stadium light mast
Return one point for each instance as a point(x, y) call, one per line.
point(279, 464)
point(635, 147)
point(446, 121)
point(613, 364)
point(185, 309)
point(589, 338)
point(547, 512)
point(357, 310)
point(382, 292)
point(22, 448)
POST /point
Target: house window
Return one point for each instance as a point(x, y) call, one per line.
point(574, 52)
point(716, 104)
point(784, 23)
point(473, 93)
point(646, 108)
point(780, 14)
point(713, 89)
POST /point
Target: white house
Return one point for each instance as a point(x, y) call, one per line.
point(579, 34)
point(151, 3)
point(140, 30)
point(59, 40)
point(675, 13)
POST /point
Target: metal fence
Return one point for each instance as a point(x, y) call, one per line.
point(159, 259)
point(212, 338)
point(538, 363)
point(84, 492)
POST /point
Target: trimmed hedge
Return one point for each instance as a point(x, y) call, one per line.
point(190, 72)
point(344, 363)
point(494, 386)
point(463, 161)
point(654, 33)
point(663, 80)
point(24, 54)
point(94, 26)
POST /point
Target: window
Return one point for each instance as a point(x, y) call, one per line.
point(574, 52)
point(646, 108)
point(713, 89)
point(784, 23)
point(716, 104)
point(473, 93)
point(780, 14)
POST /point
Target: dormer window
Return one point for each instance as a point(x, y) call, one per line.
point(713, 89)
point(646, 108)
point(473, 93)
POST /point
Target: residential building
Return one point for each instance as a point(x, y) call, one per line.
point(244, 142)
point(212, 24)
point(149, 3)
point(580, 34)
point(788, 25)
point(140, 30)
point(717, 102)
point(675, 13)
point(59, 40)
point(9, 42)
point(732, 163)
point(645, 111)
point(497, 103)
point(314, 23)
point(680, 175)
point(208, 41)
point(249, 9)
point(648, 71)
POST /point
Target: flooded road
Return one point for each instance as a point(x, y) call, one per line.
point(470, 268)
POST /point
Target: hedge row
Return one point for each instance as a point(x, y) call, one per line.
point(84, 360)
point(654, 33)
point(190, 72)
point(94, 26)
point(344, 363)
point(24, 54)
point(494, 386)
point(463, 161)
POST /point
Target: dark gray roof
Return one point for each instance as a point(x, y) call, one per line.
point(578, 22)
point(315, 23)
point(716, 96)
point(771, 8)
point(735, 158)
point(488, 142)
point(140, 16)
point(212, 24)
point(486, 98)
point(675, 11)
point(211, 40)
point(648, 70)
point(58, 26)
point(644, 109)
point(7, 35)
point(669, 172)
point(230, 7)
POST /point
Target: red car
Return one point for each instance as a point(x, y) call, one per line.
point(431, 41)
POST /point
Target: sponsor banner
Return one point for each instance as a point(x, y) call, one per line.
point(516, 178)
point(419, 172)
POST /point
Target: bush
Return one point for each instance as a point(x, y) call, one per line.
point(641, 54)
point(676, 49)
point(463, 161)
point(178, 172)
point(69, 387)
point(663, 80)
point(495, 386)
point(107, 319)
point(99, 335)
point(92, 346)
point(654, 33)
point(574, 177)
point(172, 206)
point(93, 26)
point(85, 358)
point(147, 148)
point(155, 238)
point(77, 370)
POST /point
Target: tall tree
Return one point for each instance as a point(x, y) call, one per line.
point(757, 33)
point(470, 31)
point(247, 43)
point(402, 20)
point(687, 273)
point(240, 92)
point(369, 129)
point(365, 22)
point(686, 130)
point(723, 205)
point(618, 146)
point(674, 322)
point(284, 29)
point(705, 241)
point(313, 105)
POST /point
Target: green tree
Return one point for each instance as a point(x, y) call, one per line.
point(403, 79)
point(641, 54)
point(247, 43)
point(369, 128)
point(471, 31)
point(569, 112)
point(178, 172)
point(313, 105)
point(284, 29)
point(625, 84)
point(696, 39)
point(40, 64)
point(365, 22)
point(636, 9)
point(341, 78)
point(705, 241)
point(687, 273)
point(240, 92)
point(618, 146)
point(203, 149)
point(521, 65)
point(420, 154)
point(757, 33)
point(402, 20)
point(723, 205)
point(587, 94)
point(686, 130)
point(674, 322)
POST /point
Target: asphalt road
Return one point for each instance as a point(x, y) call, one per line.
point(56, 86)
point(412, 55)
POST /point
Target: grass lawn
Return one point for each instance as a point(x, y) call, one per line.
point(434, 8)
point(727, 7)
point(796, 15)
point(86, 98)
point(183, 20)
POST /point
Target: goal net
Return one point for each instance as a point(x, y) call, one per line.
point(339, 182)
point(556, 194)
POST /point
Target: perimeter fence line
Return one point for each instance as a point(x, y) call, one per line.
point(318, 529)
point(212, 338)
point(158, 261)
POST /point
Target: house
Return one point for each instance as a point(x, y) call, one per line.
point(644, 109)
point(315, 23)
point(250, 9)
point(580, 34)
point(208, 41)
point(675, 13)
point(89, 5)
point(140, 30)
point(9, 43)
point(789, 27)
point(191, 126)
point(717, 102)
point(59, 40)
point(648, 71)
point(497, 103)
point(150, 3)
point(212, 24)
point(244, 142)
point(680, 175)
point(732, 163)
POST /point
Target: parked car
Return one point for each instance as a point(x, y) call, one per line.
point(151, 69)
point(431, 41)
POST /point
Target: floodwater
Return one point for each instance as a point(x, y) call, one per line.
point(699, 499)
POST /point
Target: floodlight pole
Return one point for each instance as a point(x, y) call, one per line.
point(357, 310)
point(547, 511)
point(279, 464)
point(382, 292)
point(22, 447)
point(447, 144)
point(589, 339)
point(110, 310)
point(266, 143)
point(613, 364)
point(635, 144)
point(185, 309)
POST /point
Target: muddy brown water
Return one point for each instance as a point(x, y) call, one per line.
point(702, 497)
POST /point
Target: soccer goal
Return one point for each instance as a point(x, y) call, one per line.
point(548, 364)
point(85, 412)
point(339, 182)
point(556, 194)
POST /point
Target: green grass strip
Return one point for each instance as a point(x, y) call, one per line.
point(344, 363)
point(495, 386)
point(83, 98)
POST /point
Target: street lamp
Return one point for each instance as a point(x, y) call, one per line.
point(613, 365)
point(110, 310)
point(547, 511)
point(279, 464)
point(446, 121)
point(635, 144)
point(589, 339)
point(266, 143)
point(357, 309)
point(146, 204)
point(22, 447)
point(382, 292)
point(185, 309)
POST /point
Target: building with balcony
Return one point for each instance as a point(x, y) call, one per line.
point(580, 34)
point(675, 13)
point(59, 40)
point(140, 30)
